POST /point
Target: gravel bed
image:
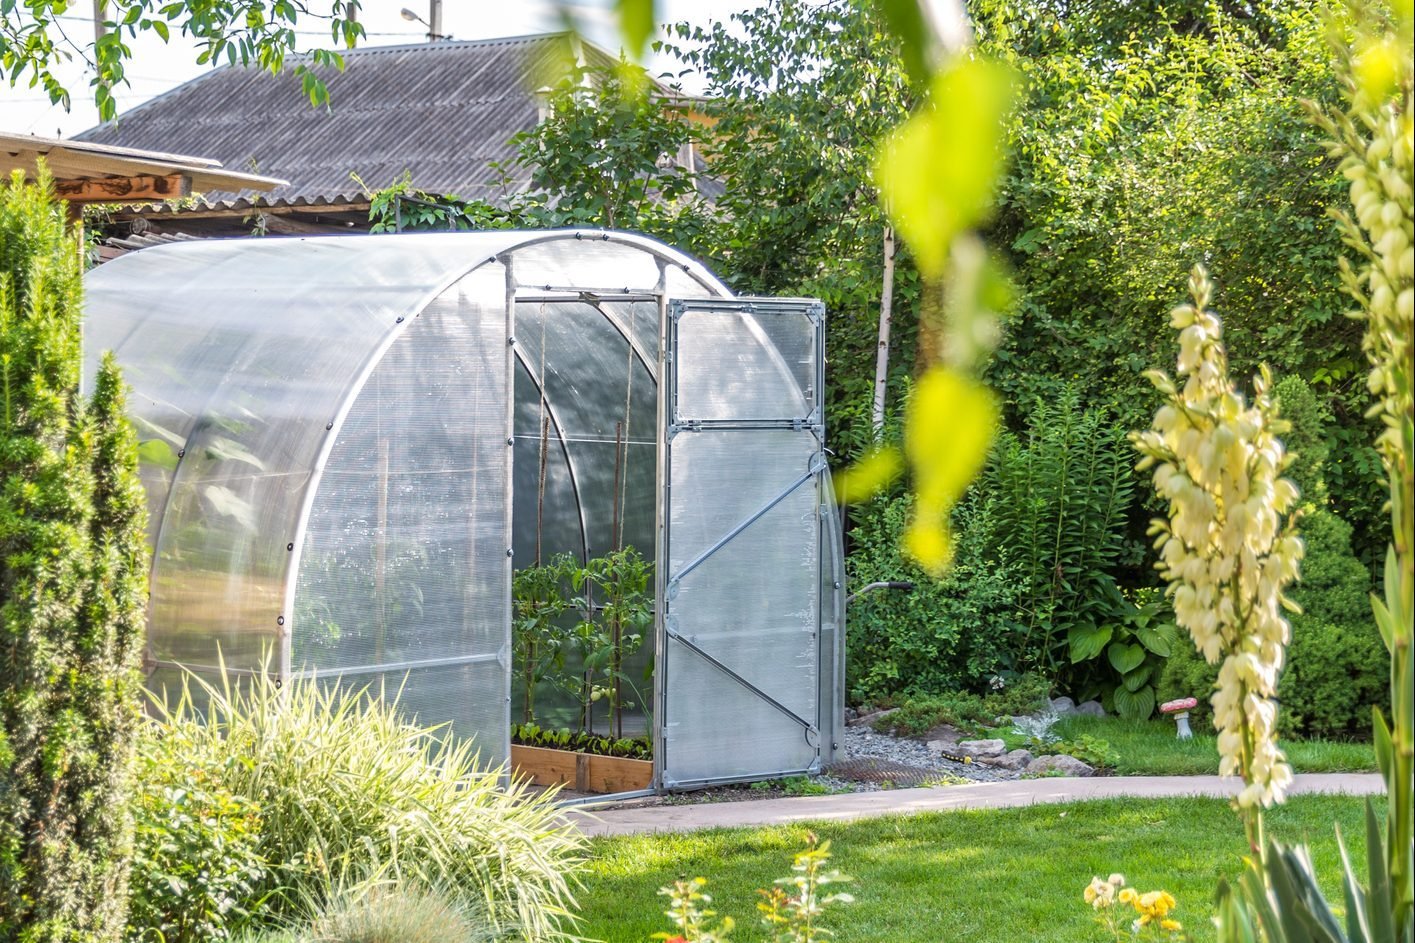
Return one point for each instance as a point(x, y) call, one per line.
point(864, 742)
point(859, 743)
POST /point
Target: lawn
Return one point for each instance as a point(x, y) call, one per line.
point(1000, 875)
point(1150, 748)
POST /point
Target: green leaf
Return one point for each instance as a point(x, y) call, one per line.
point(1136, 679)
point(1125, 656)
point(1088, 641)
point(1154, 641)
point(1134, 705)
point(1385, 622)
point(1382, 907)
point(948, 426)
point(872, 473)
point(636, 21)
point(907, 24)
point(937, 171)
point(1383, 743)
point(158, 453)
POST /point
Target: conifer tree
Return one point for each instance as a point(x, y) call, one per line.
point(73, 569)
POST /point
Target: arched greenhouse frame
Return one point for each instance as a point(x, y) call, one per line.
point(349, 443)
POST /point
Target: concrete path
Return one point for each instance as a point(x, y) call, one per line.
point(1021, 792)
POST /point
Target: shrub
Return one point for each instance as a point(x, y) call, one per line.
point(1093, 751)
point(196, 864)
point(968, 712)
point(1335, 674)
point(944, 635)
point(387, 912)
point(1061, 495)
point(1335, 586)
point(1310, 419)
point(72, 595)
point(1337, 668)
point(346, 786)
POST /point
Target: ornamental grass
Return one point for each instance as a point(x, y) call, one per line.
point(350, 790)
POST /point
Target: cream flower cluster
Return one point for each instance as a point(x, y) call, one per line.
point(1225, 549)
point(1379, 159)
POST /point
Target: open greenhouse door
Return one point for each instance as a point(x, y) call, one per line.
point(741, 656)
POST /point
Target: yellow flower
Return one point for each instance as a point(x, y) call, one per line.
point(1128, 895)
point(1099, 894)
point(1171, 925)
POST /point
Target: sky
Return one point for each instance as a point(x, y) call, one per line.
point(157, 67)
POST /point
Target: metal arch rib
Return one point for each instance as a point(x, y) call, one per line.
point(554, 416)
point(650, 364)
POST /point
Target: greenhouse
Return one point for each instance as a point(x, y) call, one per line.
point(353, 447)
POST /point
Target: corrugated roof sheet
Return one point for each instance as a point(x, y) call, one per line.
point(444, 111)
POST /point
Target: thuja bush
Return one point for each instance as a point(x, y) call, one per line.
point(1335, 668)
point(347, 788)
point(73, 564)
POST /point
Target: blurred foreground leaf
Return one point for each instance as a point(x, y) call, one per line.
point(950, 423)
point(937, 171)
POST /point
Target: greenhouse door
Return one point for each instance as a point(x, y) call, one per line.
point(739, 634)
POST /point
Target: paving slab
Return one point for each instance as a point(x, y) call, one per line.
point(1000, 795)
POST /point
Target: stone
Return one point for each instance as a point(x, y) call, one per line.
point(1063, 705)
point(1091, 709)
point(946, 734)
point(851, 714)
point(870, 718)
point(981, 748)
point(1066, 765)
point(1017, 759)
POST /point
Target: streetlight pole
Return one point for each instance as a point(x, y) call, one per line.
point(434, 21)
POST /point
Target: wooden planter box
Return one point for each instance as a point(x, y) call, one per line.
point(583, 772)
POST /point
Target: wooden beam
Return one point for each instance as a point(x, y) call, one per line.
point(141, 188)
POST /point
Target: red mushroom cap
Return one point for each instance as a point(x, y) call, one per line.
point(1182, 704)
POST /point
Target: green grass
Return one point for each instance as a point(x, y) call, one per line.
point(977, 876)
point(1150, 748)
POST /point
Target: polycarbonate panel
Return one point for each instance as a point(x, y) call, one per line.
point(752, 605)
point(601, 400)
point(741, 679)
point(769, 372)
point(239, 352)
point(404, 558)
point(592, 262)
point(463, 700)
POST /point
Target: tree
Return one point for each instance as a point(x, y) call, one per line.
point(73, 577)
point(608, 153)
point(799, 95)
point(1154, 138)
point(33, 39)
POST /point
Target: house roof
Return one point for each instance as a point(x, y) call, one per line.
point(444, 111)
point(90, 172)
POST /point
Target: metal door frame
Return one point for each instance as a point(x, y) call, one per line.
point(671, 423)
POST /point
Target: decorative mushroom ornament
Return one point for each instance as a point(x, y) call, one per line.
point(1180, 710)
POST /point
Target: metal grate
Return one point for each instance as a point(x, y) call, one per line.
point(897, 775)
